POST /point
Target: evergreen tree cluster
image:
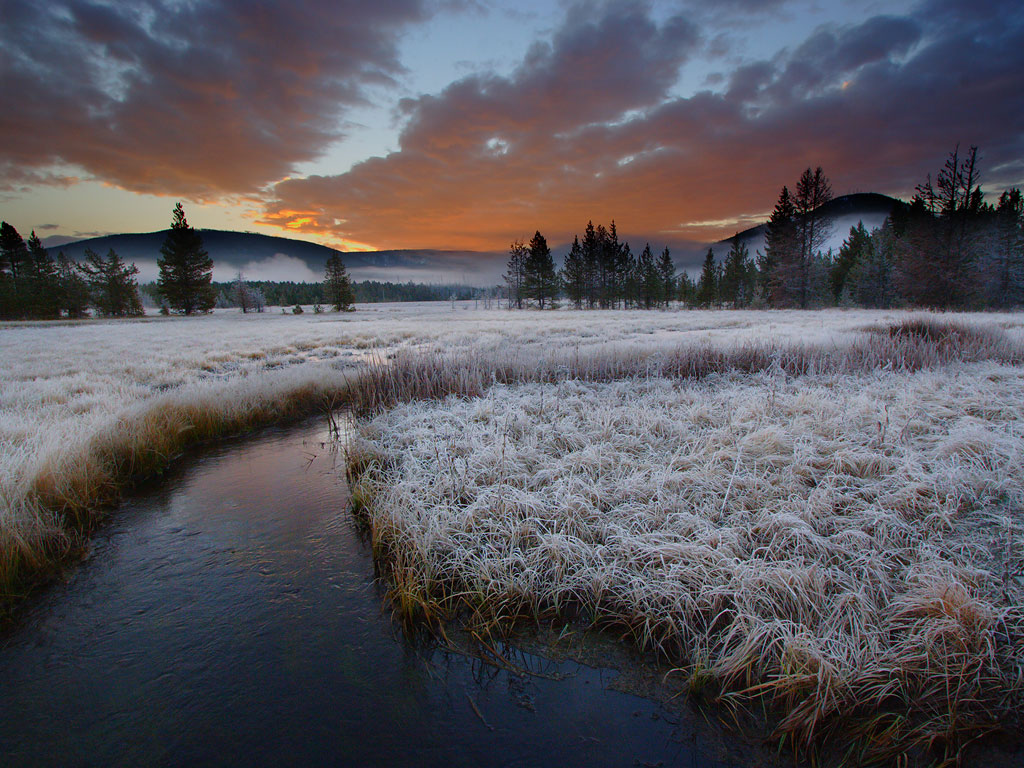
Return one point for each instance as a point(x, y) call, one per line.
point(946, 249)
point(599, 272)
point(35, 286)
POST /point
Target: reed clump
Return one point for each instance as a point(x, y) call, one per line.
point(809, 526)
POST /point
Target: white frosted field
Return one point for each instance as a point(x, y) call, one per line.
point(828, 541)
point(62, 383)
point(804, 530)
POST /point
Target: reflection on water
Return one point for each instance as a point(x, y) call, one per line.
point(229, 617)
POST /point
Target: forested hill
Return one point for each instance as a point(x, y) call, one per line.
point(222, 245)
point(844, 212)
point(266, 257)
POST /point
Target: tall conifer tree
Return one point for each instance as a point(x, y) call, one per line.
point(337, 285)
point(13, 258)
point(780, 249)
point(516, 274)
point(540, 281)
point(574, 274)
point(186, 269)
point(667, 275)
point(707, 285)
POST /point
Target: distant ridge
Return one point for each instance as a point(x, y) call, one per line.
point(249, 251)
point(270, 257)
point(845, 211)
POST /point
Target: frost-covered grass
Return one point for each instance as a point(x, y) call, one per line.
point(822, 508)
point(85, 406)
point(835, 528)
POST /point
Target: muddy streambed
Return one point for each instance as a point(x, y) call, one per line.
point(228, 615)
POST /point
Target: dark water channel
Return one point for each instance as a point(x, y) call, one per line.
point(229, 616)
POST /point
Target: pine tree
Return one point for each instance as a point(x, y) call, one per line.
point(112, 286)
point(686, 291)
point(337, 285)
point(13, 259)
point(737, 286)
point(707, 285)
point(621, 263)
point(871, 280)
point(540, 281)
point(1007, 280)
point(515, 275)
point(853, 250)
point(629, 279)
point(781, 248)
point(813, 229)
point(186, 269)
point(943, 238)
point(42, 293)
point(73, 291)
point(667, 276)
point(648, 279)
point(574, 275)
point(591, 248)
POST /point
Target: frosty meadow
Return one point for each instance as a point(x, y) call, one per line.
point(819, 510)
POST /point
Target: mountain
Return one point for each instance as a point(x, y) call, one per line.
point(265, 257)
point(843, 212)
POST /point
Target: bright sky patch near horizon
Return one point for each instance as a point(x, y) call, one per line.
point(464, 124)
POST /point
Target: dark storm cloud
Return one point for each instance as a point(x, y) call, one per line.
point(586, 128)
point(193, 98)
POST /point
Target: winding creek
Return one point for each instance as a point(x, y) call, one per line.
point(228, 615)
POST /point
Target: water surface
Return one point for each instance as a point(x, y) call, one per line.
point(228, 615)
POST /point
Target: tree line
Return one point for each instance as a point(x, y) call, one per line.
point(35, 286)
point(287, 293)
point(598, 272)
point(948, 248)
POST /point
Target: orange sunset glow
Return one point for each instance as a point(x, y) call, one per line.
point(389, 125)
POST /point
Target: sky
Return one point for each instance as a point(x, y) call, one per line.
point(466, 124)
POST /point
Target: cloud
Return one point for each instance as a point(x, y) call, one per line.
point(585, 129)
point(187, 98)
point(471, 158)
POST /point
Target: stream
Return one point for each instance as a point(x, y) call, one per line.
point(227, 614)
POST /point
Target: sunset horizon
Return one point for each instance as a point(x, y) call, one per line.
point(465, 126)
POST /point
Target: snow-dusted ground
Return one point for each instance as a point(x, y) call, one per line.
point(64, 384)
point(826, 515)
point(60, 383)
